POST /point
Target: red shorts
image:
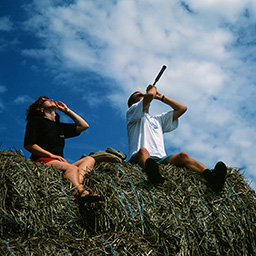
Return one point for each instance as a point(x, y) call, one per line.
point(45, 160)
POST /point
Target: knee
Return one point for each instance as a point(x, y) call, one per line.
point(90, 161)
point(183, 157)
point(143, 151)
point(141, 154)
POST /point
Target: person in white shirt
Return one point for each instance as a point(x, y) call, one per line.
point(146, 142)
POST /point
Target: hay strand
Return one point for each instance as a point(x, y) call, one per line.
point(39, 214)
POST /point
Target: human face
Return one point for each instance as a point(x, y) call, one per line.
point(46, 103)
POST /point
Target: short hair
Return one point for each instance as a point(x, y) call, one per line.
point(132, 99)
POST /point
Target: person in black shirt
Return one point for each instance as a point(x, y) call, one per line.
point(45, 138)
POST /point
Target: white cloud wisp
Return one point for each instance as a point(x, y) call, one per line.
point(208, 47)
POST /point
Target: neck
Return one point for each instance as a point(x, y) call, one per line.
point(50, 114)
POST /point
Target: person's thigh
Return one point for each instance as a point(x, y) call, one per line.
point(87, 161)
point(180, 159)
point(59, 165)
point(174, 159)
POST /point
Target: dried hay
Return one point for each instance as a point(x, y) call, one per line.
point(40, 216)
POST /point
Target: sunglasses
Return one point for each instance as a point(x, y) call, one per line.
point(43, 100)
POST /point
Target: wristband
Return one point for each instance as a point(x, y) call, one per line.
point(67, 111)
point(162, 99)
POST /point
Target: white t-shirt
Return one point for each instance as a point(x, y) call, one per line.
point(147, 131)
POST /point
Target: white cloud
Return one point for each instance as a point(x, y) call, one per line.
point(23, 99)
point(6, 24)
point(212, 11)
point(208, 47)
point(94, 99)
point(2, 89)
point(1, 106)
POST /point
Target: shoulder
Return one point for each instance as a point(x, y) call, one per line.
point(135, 112)
point(34, 119)
point(138, 106)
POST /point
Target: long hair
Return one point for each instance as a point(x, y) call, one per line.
point(34, 109)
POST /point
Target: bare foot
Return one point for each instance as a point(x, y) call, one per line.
point(85, 197)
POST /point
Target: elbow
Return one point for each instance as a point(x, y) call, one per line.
point(82, 128)
point(28, 147)
point(85, 127)
point(179, 112)
point(184, 108)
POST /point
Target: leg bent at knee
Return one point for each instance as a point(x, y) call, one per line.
point(142, 152)
point(183, 156)
point(71, 170)
point(90, 161)
point(141, 156)
point(180, 159)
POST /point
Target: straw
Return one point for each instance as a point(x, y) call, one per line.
point(39, 214)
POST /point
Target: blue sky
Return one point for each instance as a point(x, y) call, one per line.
point(93, 54)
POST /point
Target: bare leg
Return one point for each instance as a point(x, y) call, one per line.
point(84, 165)
point(215, 178)
point(151, 167)
point(183, 159)
point(141, 156)
point(71, 173)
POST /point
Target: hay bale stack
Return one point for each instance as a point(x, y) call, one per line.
point(39, 214)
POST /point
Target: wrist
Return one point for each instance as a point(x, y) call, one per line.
point(162, 98)
point(67, 111)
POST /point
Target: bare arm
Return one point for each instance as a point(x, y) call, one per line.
point(148, 97)
point(37, 150)
point(81, 124)
point(179, 108)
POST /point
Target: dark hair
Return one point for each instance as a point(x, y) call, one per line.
point(34, 110)
point(132, 99)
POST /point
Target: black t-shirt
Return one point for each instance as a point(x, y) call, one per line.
point(48, 134)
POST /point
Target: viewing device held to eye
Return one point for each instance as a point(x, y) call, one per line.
point(159, 74)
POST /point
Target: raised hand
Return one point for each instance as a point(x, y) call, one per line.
point(61, 106)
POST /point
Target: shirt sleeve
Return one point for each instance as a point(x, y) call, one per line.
point(166, 121)
point(135, 112)
point(69, 130)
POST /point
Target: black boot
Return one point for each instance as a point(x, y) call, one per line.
point(216, 178)
point(152, 170)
